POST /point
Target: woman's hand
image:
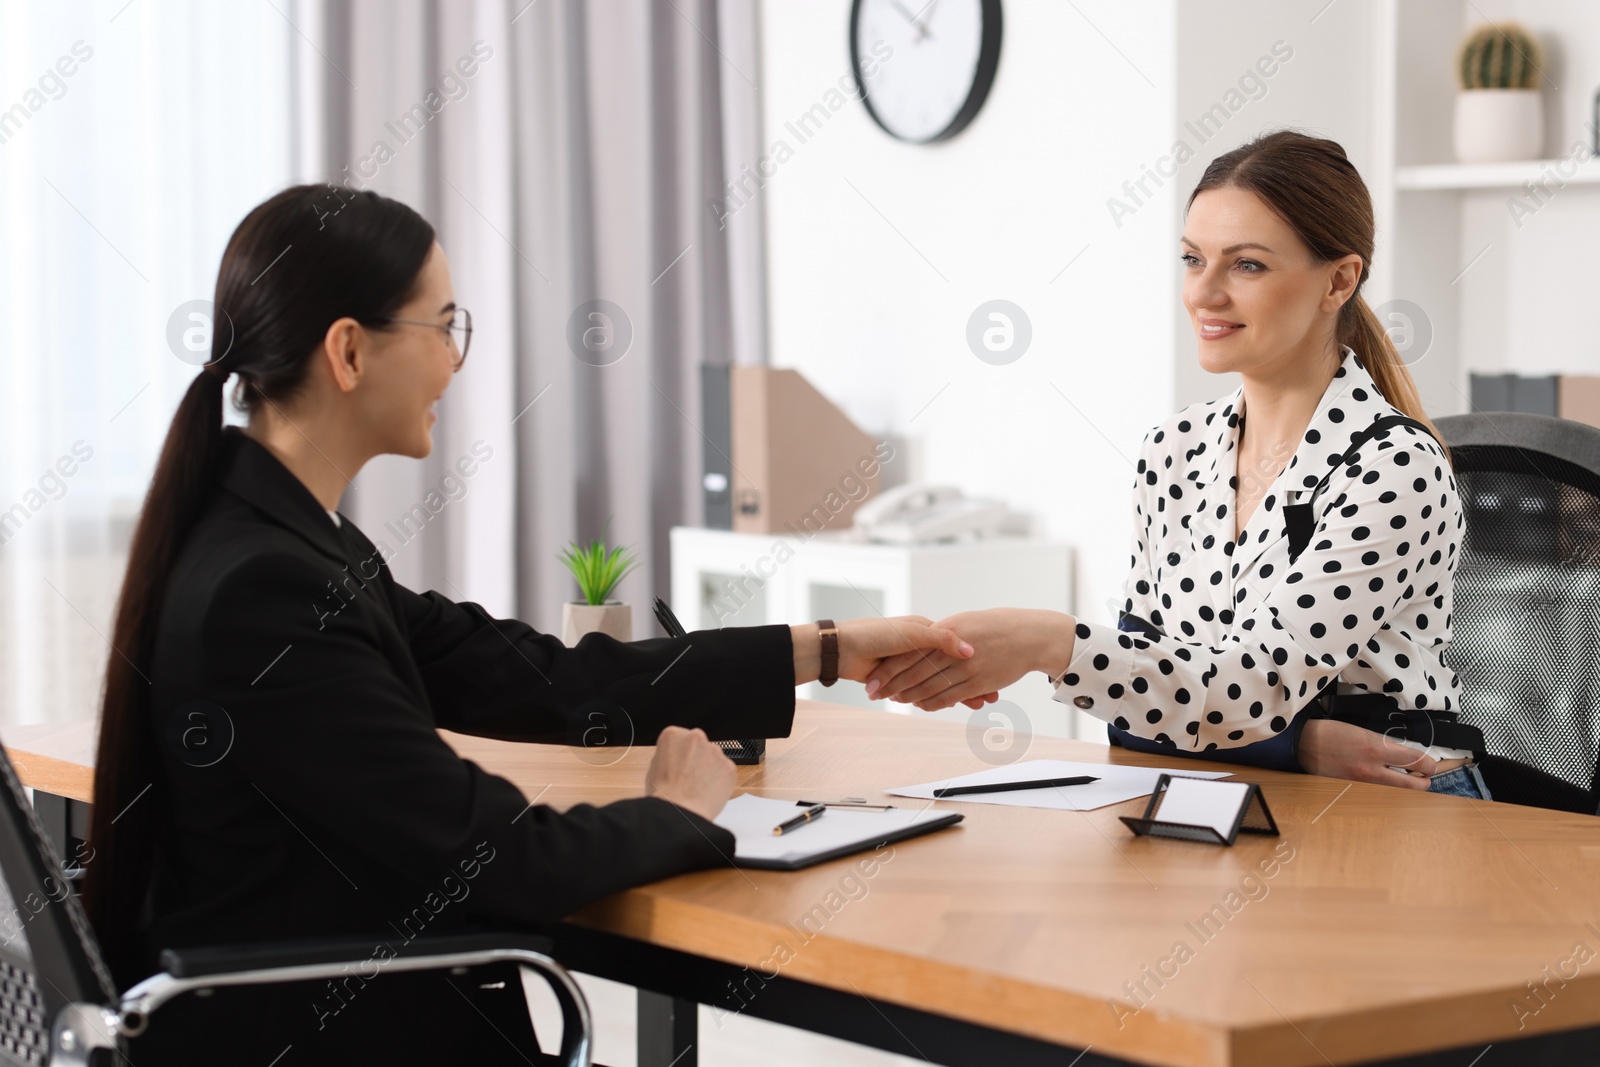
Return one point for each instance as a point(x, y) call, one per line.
point(690, 770)
point(864, 643)
point(1009, 642)
point(1344, 750)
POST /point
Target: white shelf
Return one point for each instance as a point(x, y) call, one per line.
point(1444, 176)
point(1484, 262)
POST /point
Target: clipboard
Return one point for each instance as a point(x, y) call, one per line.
point(840, 832)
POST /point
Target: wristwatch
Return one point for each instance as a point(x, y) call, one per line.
point(830, 651)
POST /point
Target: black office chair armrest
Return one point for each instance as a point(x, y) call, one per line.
point(210, 960)
point(192, 969)
point(1514, 782)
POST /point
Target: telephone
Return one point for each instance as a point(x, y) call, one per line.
point(913, 514)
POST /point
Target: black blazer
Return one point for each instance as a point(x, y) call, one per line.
point(297, 697)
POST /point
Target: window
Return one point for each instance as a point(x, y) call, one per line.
point(133, 138)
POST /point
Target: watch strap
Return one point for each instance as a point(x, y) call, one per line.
point(829, 633)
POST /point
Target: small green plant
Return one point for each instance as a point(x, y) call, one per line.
point(597, 570)
point(1499, 56)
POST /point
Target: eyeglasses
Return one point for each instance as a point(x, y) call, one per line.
point(458, 330)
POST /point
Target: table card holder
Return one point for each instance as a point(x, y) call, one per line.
point(1201, 809)
point(746, 752)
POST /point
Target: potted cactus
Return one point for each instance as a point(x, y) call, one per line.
point(1498, 113)
point(597, 570)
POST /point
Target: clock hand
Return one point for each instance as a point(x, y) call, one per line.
point(920, 30)
point(907, 15)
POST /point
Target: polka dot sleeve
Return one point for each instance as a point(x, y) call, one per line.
point(1383, 554)
point(1138, 592)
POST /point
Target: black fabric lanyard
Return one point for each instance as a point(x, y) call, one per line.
point(1298, 517)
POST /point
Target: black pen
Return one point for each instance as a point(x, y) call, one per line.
point(669, 621)
point(1006, 787)
point(809, 815)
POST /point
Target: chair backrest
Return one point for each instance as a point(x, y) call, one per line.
point(1527, 603)
point(48, 954)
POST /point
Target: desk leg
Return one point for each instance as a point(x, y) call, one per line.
point(668, 1031)
point(65, 823)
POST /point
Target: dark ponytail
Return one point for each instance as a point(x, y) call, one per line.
point(309, 256)
point(1312, 185)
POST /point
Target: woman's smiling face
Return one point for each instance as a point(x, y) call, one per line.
point(1257, 299)
point(418, 365)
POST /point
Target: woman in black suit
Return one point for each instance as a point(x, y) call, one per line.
point(270, 765)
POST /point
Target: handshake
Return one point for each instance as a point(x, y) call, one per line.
point(964, 659)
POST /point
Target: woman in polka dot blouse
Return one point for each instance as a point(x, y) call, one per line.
point(1226, 641)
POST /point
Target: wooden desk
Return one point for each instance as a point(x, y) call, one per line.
point(1395, 926)
point(55, 757)
point(56, 761)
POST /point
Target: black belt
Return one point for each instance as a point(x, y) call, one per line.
point(1380, 713)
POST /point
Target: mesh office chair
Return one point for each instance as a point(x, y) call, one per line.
point(1527, 603)
point(59, 1007)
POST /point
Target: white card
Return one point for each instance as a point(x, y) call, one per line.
point(1194, 802)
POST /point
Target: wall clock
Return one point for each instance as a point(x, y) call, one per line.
point(924, 67)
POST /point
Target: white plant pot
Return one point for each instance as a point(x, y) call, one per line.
point(613, 618)
point(1498, 125)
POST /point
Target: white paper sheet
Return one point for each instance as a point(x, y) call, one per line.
point(1117, 783)
point(751, 818)
point(1197, 803)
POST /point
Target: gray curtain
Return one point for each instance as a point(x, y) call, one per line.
point(569, 154)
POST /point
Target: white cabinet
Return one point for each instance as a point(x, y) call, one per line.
point(720, 578)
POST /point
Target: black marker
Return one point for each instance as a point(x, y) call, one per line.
point(669, 622)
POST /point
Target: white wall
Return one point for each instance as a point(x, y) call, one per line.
point(880, 251)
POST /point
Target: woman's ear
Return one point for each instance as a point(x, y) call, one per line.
point(1343, 278)
point(344, 345)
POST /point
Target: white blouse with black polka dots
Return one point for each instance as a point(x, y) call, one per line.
point(1251, 638)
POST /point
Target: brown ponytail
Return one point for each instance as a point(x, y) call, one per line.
point(1312, 185)
point(310, 255)
point(126, 761)
point(1360, 329)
